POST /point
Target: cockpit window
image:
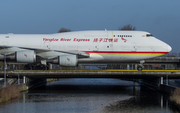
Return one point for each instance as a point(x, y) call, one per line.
point(149, 35)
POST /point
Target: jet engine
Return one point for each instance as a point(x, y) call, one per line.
point(65, 60)
point(24, 56)
point(27, 56)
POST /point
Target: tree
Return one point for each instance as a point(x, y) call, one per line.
point(127, 27)
point(64, 30)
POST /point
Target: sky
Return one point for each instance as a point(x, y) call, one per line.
point(159, 17)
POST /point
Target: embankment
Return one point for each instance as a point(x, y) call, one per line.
point(175, 98)
point(11, 92)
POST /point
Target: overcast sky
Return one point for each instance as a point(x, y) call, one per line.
point(159, 17)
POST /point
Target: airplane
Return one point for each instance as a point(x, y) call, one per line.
point(72, 48)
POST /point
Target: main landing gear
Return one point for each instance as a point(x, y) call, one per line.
point(35, 66)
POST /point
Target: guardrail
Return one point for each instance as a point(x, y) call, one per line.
point(9, 81)
point(166, 58)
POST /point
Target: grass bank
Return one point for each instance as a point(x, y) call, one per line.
point(11, 92)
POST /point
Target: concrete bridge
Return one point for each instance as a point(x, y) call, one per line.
point(153, 78)
point(166, 60)
point(131, 74)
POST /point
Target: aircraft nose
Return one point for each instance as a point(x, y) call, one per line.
point(169, 48)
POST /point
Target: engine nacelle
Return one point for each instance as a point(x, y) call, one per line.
point(25, 56)
point(68, 60)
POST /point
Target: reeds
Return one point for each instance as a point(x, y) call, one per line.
point(8, 93)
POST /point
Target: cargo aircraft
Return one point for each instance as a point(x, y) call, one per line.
point(71, 48)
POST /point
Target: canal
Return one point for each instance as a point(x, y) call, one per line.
point(90, 96)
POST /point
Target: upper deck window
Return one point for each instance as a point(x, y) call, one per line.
point(149, 35)
point(124, 35)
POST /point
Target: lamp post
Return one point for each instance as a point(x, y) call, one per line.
point(17, 74)
point(4, 67)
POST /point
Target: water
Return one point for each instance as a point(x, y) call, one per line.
point(90, 96)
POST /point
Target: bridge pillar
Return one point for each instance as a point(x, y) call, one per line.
point(24, 79)
point(160, 82)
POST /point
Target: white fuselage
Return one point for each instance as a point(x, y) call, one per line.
point(102, 46)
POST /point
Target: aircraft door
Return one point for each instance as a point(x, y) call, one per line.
point(110, 46)
point(109, 34)
point(110, 39)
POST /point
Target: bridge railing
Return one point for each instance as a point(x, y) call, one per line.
point(165, 59)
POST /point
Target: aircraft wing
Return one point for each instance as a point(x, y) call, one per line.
point(43, 53)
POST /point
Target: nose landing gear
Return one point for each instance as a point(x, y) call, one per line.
point(140, 66)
